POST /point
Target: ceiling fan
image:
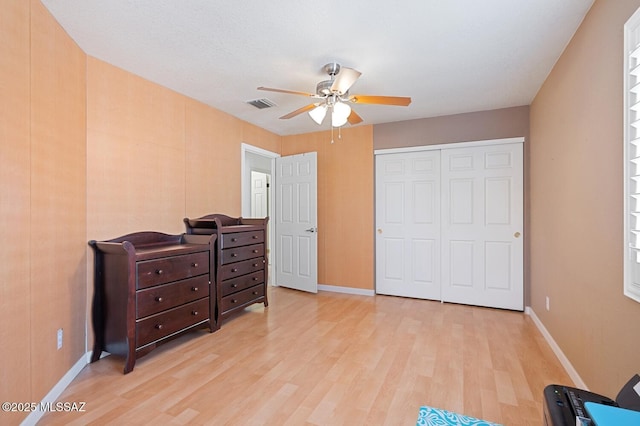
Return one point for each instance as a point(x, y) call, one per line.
point(333, 95)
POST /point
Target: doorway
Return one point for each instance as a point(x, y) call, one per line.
point(260, 196)
point(257, 166)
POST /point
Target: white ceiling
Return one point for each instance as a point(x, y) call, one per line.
point(450, 56)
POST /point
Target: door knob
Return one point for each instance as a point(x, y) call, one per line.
point(311, 230)
point(517, 235)
point(379, 231)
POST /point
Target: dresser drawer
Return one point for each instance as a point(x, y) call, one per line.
point(155, 299)
point(242, 297)
point(167, 269)
point(241, 268)
point(240, 283)
point(237, 254)
point(168, 322)
point(235, 239)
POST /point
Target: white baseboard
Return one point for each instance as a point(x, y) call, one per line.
point(348, 290)
point(573, 374)
point(57, 390)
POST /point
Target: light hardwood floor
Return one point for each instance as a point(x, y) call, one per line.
point(329, 359)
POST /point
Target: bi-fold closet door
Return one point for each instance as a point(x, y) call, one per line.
point(449, 224)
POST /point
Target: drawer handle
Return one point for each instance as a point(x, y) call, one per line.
point(234, 270)
point(255, 278)
point(194, 288)
point(194, 313)
point(234, 301)
point(255, 251)
point(233, 240)
point(255, 292)
point(255, 265)
point(255, 237)
point(159, 299)
point(194, 264)
point(234, 254)
point(159, 326)
point(234, 285)
point(159, 271)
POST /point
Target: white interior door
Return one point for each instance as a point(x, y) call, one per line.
point(259, 194)
point(296, 237)
point(408, 224)
point(482, 225)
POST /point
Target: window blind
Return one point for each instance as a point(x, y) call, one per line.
point(632, 156)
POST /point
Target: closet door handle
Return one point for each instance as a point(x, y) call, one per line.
point(312, 230)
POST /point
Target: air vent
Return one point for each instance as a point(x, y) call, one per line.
point(262, 103)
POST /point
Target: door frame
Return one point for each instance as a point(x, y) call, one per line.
point(245, 185)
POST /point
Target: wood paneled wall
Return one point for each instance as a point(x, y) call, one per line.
point(135, 154)
point(42, 209)
point(345, 204)
point(155, 156)
point(58, 207)
point(88, 151)
point(15, 208)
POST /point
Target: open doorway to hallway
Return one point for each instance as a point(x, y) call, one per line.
point(257, 196)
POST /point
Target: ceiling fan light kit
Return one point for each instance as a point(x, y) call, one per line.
point(339, 114)
point(318, 113)
point(334, 96)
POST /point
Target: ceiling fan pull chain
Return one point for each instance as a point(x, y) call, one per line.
point(332, 133)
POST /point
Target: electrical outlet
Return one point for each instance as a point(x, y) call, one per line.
point(547, 303)
point(59, 338)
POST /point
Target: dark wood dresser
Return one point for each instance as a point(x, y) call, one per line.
point(241, 259)
point(148, 288)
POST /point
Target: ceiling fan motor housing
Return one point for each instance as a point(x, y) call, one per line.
point(324, 87)
point(332, 69)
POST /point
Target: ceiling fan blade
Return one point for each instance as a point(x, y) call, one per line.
point(344, 80)
point(354, 118)
point(299, 111)
point(291, 92)
point(380, 100)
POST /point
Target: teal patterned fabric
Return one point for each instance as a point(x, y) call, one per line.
point(429, 416)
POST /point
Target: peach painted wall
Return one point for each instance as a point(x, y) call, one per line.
point(43, 215)
point(15, 208)
point(88, 151)
point(155, 156)
point(577, 204)
point(345, 204)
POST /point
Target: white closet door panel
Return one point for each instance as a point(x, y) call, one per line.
point(461, 261)
point(461, 205)
point(498, 265)
point(424, 253)
point(393, 270)
point(408, 224)
point(482, 256)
